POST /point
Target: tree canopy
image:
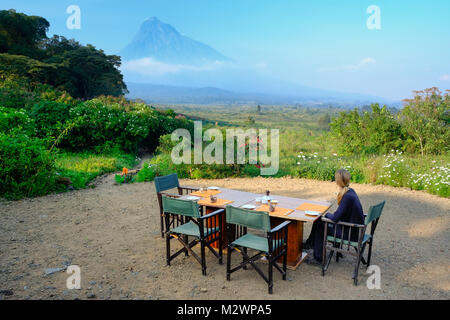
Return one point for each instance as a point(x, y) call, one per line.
point(27, 52)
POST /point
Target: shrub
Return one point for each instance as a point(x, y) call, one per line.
point(26, 167)
point(148, 172)
point(14, 121)
point(371, 132)
point(426, 119)
point(130, 126)
point(49, 118)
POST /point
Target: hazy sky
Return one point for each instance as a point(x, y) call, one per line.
point(322, 44)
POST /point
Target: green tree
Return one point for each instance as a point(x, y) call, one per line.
point(82, 71)
point(425, 119)
point(90, 72)
point(21, 34)
point(372, 132)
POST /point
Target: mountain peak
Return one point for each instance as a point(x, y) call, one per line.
point(151, 19)
point(162, 42)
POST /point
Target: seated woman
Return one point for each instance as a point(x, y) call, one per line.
point(349, 210)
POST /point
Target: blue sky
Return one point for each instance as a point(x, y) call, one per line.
point(322, 44)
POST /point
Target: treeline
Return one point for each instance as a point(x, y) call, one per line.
point(83, 71)
point(421, 127)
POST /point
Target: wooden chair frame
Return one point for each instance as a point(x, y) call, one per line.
point(210, 220)
point(342, 245)
point(276, 234)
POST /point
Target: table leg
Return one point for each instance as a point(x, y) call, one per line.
point(295, 254)
point(215, 244)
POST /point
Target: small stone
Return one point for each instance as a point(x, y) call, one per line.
point(204, 290)
point(50, 271)
point(91, 296)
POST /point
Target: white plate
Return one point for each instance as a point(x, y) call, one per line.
point(312, 213)
point(248, 206)
point(213, 188)
point(192, 198)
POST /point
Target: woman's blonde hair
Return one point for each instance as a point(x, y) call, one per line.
point(342, 178)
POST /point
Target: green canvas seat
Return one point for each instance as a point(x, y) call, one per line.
point(352, 243)
point(256, 242)
point(183, 219)
point(191, 229)
point(273, 245)
point(334, 243)
point(164, 183)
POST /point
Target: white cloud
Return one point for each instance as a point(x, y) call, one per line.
point(152, 67)
point(445, 77)
point(351, 67)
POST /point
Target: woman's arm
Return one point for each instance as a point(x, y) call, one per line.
point(337, 216)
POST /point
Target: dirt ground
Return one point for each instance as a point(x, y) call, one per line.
point(112, 233)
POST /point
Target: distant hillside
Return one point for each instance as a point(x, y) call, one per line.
point(152, 93)
point(163, 42)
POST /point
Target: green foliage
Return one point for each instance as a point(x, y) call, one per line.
point(129, 127)
point(23, 66)
point(83, 71)
point(21, 93)
point(26, 167)
point(49, 118)
point(21, 34)
point(119, 179)
point(166, 144)
point(426, 120)
point(374, 132)
point(15, 121)
point(147, 173)
point(87, 72)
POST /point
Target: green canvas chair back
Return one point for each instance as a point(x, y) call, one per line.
point(374, 212)
point(181, 207)
point(259, 220)
point(166, 182)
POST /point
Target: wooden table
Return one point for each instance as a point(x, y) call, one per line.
point(298, 218)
